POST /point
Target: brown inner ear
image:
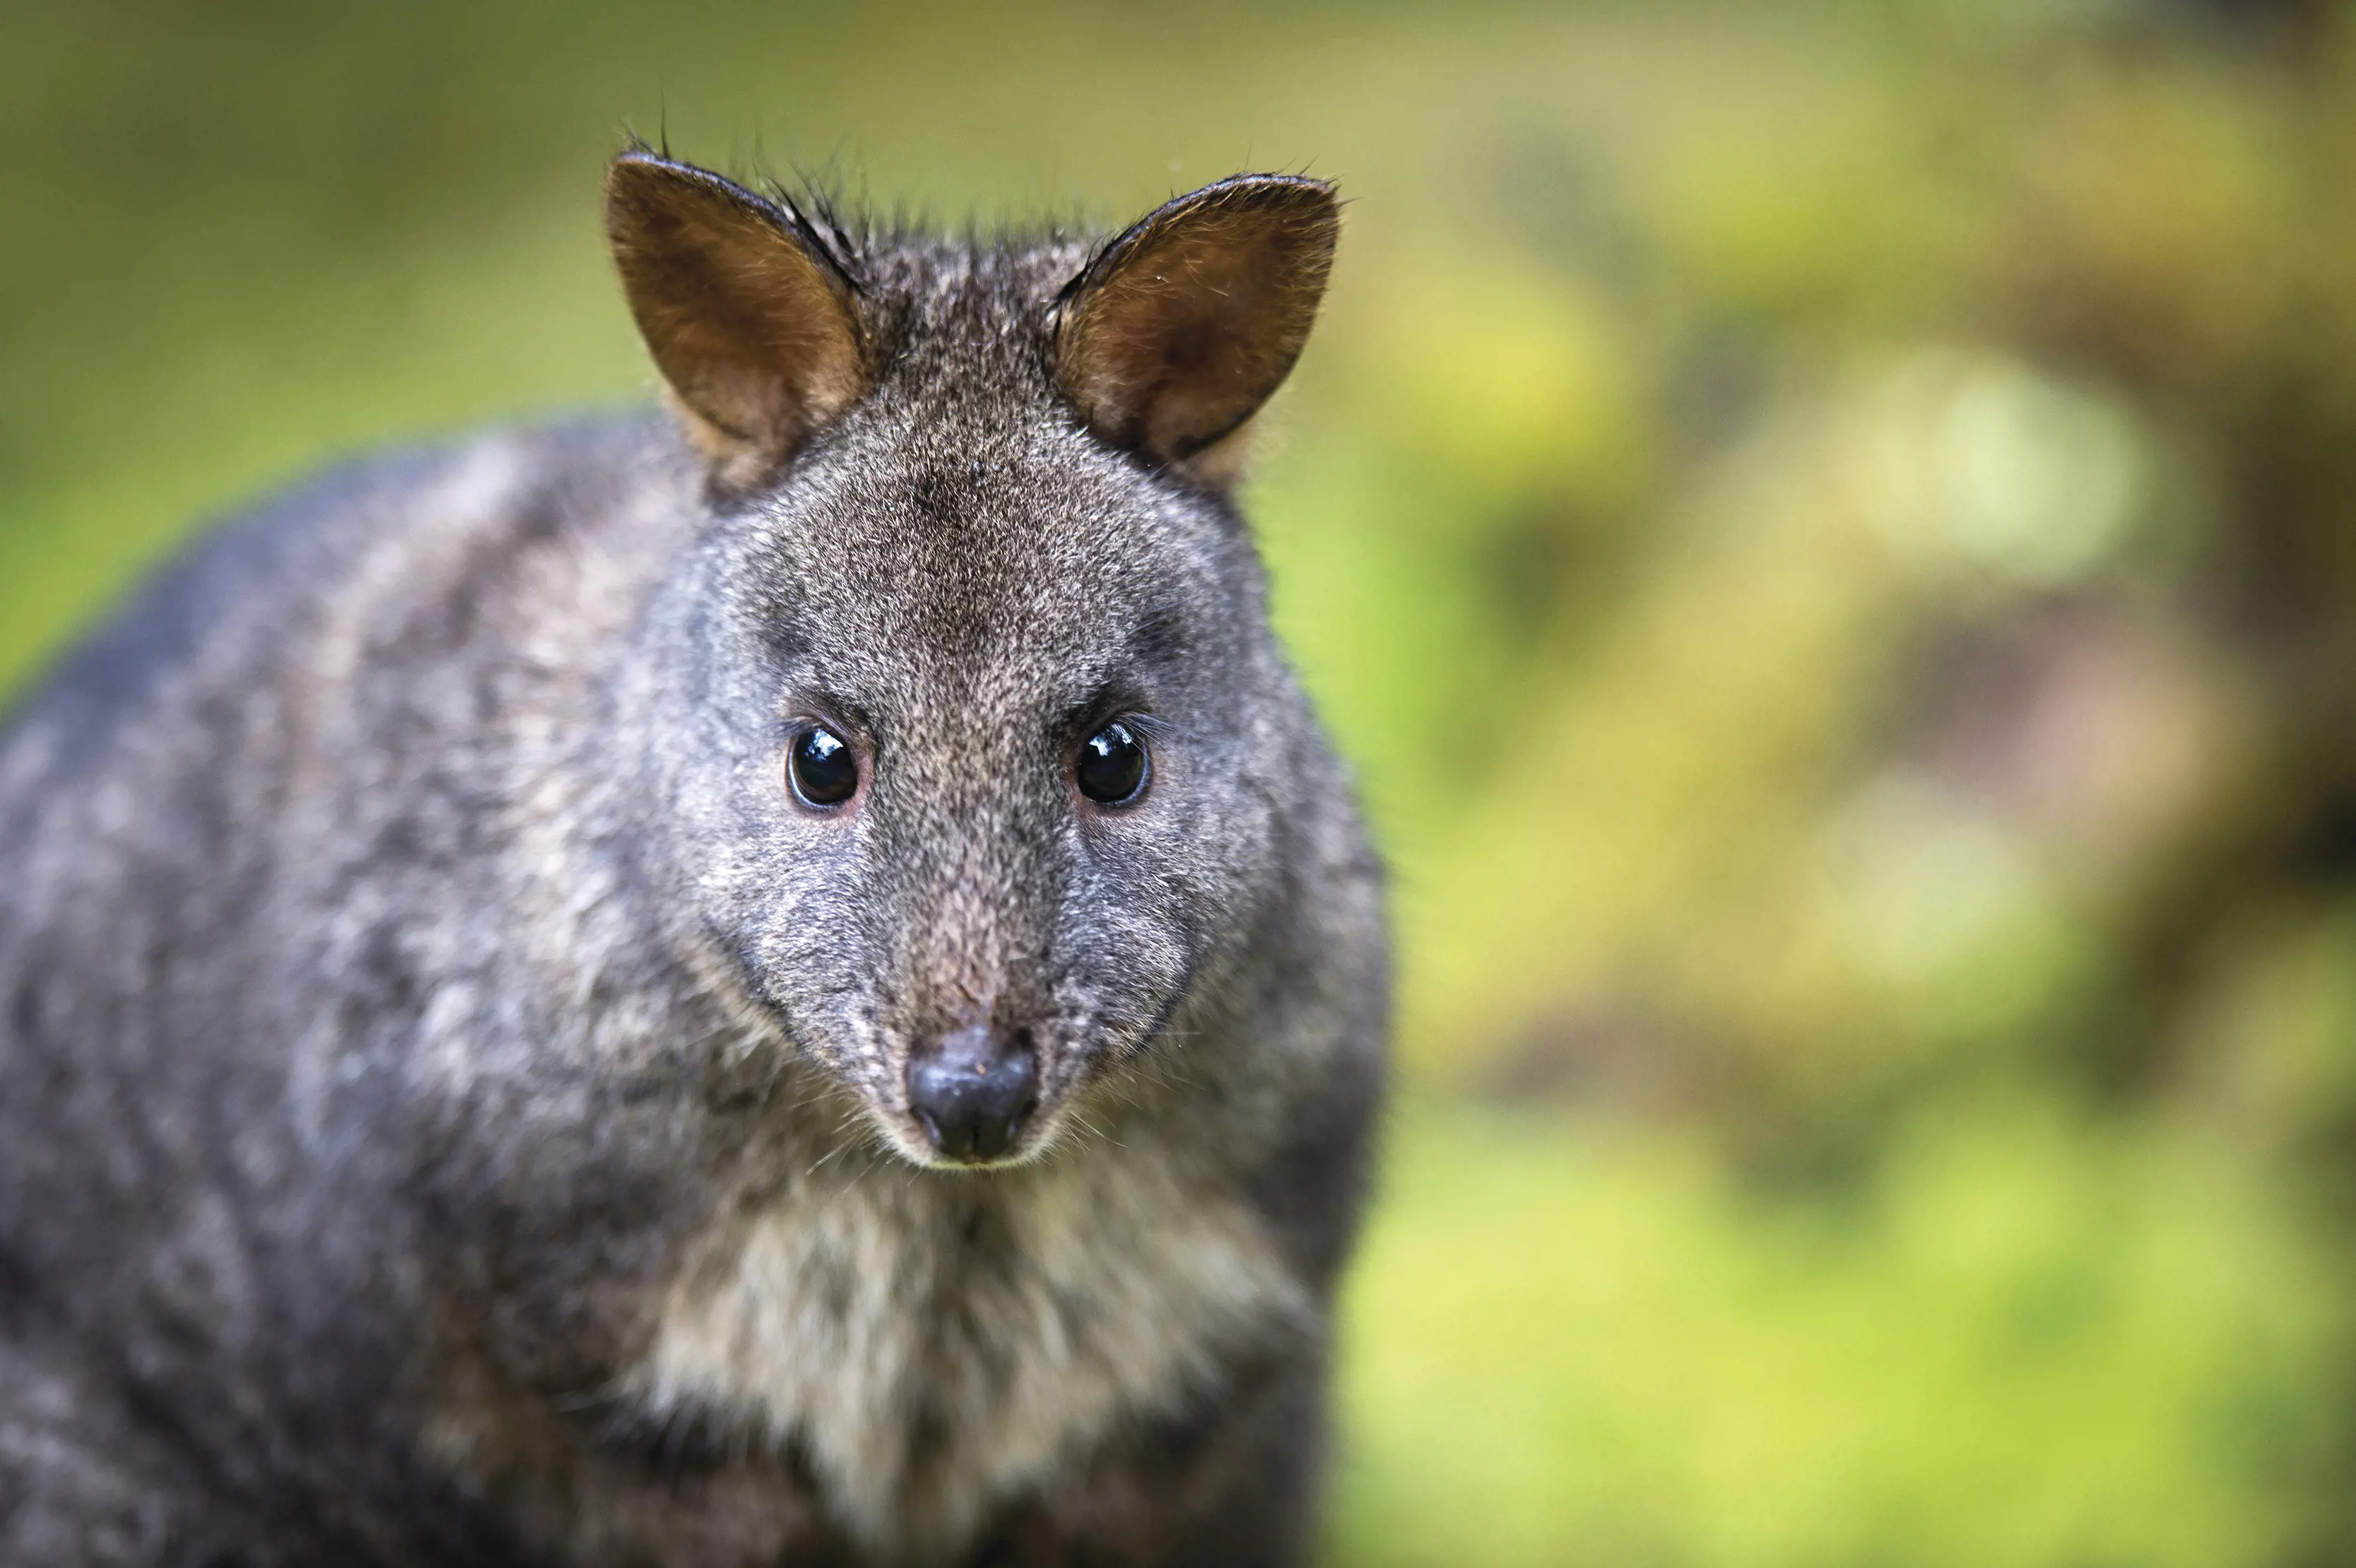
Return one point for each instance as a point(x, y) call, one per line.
point(1173, 337)
point(757, 336)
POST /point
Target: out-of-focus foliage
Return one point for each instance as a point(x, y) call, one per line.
point(2030, 1338)
point(1829, 532)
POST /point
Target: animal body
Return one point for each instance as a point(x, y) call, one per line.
point(789, 983)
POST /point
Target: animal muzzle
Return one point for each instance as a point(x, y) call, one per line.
point(973, 1092)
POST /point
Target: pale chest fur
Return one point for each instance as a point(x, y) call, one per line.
point(932, 1343)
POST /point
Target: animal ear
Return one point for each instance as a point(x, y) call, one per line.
point(749, 314)
point(1177, 331)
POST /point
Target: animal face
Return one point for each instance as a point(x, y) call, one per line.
point(987, 722)
point(954, 645)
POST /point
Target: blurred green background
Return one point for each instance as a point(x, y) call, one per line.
point(1828, 531)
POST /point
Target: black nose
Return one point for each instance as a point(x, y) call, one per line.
point(972, 1092)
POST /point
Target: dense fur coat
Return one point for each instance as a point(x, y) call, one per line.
point(453, 1098)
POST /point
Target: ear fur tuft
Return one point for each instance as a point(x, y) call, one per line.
point(1179, 329)
point(750, 312)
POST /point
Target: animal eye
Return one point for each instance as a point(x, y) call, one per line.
point(823, 770)
point(1112, 767)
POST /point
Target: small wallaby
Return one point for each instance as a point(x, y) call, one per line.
point(791, 983)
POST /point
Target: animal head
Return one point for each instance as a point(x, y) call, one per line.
point(978, 775)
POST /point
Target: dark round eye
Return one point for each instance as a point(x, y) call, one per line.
point(824, 771)
point(1112, 767)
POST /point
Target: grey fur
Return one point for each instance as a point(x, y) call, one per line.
point(450, 1100)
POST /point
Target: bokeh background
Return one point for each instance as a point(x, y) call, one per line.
point(1828, 532)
